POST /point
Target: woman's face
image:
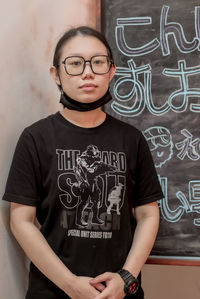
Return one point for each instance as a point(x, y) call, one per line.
point(87, 87)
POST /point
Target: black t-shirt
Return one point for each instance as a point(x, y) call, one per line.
point(84, 183)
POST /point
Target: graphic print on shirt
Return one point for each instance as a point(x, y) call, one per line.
point(114, 198)
point(93, 189)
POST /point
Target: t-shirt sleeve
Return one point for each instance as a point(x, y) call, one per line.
point(148, 188)
point(24, 177)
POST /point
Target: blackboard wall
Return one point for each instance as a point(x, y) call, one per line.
point(156, 88)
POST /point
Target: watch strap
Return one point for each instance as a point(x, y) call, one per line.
point(125, 274)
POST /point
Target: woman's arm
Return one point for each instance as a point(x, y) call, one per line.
point(147, 217)
point(22, 223)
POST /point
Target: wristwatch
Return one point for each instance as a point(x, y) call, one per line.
point(131, 284)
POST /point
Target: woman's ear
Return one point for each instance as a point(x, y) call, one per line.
point(112, 71)
point(54, 73)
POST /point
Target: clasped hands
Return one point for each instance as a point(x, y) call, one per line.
point(114, 288)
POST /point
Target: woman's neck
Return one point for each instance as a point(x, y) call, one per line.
point(87, 119)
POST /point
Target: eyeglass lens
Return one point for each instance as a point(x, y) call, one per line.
point(75, 65)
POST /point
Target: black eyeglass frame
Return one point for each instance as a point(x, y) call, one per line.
point(111, 62)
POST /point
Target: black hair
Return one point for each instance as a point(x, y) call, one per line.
point(82, 30)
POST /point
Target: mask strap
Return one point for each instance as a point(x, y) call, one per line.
point(75, 105)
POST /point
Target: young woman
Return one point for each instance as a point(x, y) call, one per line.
point(76, 180)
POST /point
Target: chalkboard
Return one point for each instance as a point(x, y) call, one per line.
point(156, 88)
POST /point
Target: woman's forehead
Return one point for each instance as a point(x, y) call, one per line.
point(84, 45)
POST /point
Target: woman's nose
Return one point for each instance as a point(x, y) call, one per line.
point(88, 69)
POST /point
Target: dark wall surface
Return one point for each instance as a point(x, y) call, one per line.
point(156, 47)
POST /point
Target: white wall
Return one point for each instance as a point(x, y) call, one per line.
point(29, 30)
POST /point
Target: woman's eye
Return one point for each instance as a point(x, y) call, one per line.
point(75, 63)
point(98, 62)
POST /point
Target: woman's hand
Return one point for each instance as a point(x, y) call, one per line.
point(83, 289)
point(114, 286)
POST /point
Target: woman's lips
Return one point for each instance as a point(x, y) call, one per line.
point(88, 87)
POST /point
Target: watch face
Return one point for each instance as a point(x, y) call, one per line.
point(131, 284)
point(132, 289)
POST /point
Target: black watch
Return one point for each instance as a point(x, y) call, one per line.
point(131, 284)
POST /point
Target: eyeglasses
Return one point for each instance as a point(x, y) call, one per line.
point(75, 65)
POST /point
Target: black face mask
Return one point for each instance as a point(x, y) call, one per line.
point(75, 105)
